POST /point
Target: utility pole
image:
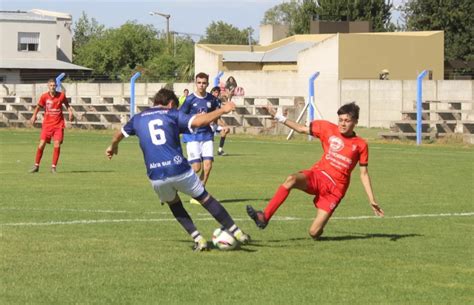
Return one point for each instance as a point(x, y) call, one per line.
point(167, 16)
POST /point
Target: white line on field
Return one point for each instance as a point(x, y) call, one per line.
point(276, 218)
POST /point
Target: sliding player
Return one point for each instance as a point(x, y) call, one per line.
point(329, 178)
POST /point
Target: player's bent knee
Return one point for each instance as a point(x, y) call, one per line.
point(316, 233)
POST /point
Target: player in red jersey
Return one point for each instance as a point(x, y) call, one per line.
point(53, 123)
point(329, 178)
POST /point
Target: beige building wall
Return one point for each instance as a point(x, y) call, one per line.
point(63, 30)
point(404, 54)
point(206, 61)
point(272, 32)
point(9, 34)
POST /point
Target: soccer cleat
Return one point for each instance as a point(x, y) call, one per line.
point(200, 245)
point(221, 153)
point(35, 169)
point(257, 216)
point(242, 238)
point(194, 201)
point(53, 170)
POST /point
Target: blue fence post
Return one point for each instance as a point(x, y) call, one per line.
point(59, 79)
point(311, 108)
point(419, 100)
point(132, 93)
point(218, 78)
point(309, 103)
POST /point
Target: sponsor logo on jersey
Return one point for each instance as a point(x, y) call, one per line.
point(335, 143)
point(177, 159)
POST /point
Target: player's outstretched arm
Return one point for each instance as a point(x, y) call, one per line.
point(206, 118)
point(113, 148)
point(284, 120)
point(365, 178)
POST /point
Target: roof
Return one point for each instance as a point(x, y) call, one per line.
point(24, 16)
point(285, 53)
point(39, 64)
point(51, 14)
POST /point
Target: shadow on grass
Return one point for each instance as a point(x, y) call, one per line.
point(84, 171)
point(213, 248)
point(243, 200)
point(391, 237)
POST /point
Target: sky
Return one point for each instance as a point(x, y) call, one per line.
point(187, 16)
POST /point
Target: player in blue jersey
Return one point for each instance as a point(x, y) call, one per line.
point(200, 145)
point(221, 127)
point(158, 130)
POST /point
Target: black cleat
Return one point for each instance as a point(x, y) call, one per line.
point(221, 153)
point(257, 216)
point(33, 170)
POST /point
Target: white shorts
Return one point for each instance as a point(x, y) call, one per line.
point(187, 183)
point(199, 151)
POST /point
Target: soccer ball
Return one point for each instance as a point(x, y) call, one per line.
point(223, 240)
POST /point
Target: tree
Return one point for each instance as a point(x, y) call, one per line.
point(119, 51)
point(85, 30)
point(454, 17)
point(284, 13)
point(299, 13)
point(223, 33)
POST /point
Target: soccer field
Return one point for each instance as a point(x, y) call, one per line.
point(95, 233)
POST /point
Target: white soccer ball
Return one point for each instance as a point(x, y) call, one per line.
point(223, 240)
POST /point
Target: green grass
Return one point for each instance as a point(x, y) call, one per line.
point(129, 250)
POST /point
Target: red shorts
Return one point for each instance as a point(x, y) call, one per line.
point(327, 195)
point(56, 133)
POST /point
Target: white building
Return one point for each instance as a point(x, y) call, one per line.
point(36, 45)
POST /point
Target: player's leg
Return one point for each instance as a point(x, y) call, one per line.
point(58, 136)
point(225, 130)
point(215, 208)
point(191, 185)
point(293, 181)
point(193, 150)
point(167, 193)
point(45, 137)
point(317, 227)
point(206, 170)
point(208, 158)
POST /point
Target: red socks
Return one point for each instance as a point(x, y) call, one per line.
point(56, 153)
point(39, 155)
point(275, 202)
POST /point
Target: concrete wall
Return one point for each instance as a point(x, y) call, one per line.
point(381, 102)
point(9, 37)
point(272, 32)
point(63, 29)
point(405, 55)
point(11, 76)
point(206, 61)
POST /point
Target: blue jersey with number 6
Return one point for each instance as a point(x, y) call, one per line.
point(158, 131)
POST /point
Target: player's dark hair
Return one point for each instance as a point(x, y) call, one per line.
point(351, 109)
point(165, 96)
point(51, 80)
point(216, 88)
point(202, 75)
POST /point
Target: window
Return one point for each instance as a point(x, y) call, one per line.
point(3, 78)
point(28, 41)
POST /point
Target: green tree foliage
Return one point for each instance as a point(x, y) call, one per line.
point(299, 13)
point(119, 50)
point(84, 30)
point(223, 33)
point(284, 13)
point(454, 17)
